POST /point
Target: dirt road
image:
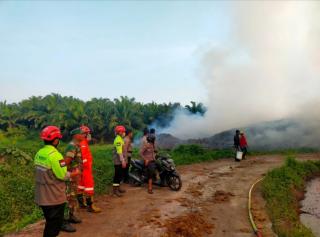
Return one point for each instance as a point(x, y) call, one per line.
point(212, 202)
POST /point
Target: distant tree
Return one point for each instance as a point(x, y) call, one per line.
point(9, 114)
point(195, 108)
point(102, 115)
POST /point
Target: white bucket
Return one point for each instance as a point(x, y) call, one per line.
point(239, 155)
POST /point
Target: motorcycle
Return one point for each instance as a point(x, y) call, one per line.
point(166, 169)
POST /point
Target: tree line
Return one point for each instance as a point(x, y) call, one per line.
point(100, 114)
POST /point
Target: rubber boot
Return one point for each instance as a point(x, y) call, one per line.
point(67, 227)
point(121, 190)
point(81, 202)
point(74, 219)
point(91, 207)
point(116, 191)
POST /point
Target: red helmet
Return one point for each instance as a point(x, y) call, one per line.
point(50, 133)
point(85, 129)
point(120, 129)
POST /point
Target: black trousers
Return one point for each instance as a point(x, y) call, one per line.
point(245, 151)
point(151, 169)
point(126, 171)
point(54, 219)
point(118, 175)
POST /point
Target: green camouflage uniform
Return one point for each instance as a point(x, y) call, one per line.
point(74, 161)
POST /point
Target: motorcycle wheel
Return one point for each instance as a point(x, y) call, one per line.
point(132, 181)
point(174, 183)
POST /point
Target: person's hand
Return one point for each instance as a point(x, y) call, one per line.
point(124, 164)
point(75, 173)
point(146, 162)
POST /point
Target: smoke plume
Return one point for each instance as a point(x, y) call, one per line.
point(268, 70)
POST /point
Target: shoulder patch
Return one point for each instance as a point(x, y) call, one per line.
point(62, 163)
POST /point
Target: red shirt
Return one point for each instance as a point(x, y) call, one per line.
point(243, 141)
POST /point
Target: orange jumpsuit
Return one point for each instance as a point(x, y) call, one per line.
point(86, 183)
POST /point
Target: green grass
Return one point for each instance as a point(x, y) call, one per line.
point(279, 189)
point(17, 208)
point(190, 154)
point(285, 152)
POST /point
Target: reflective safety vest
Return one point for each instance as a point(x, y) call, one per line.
point(118, 149)
point(50, 174)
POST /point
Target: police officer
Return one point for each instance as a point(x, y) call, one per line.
point(127, 152)
point(50, 177)
point(118, 160)
point(144, 138)
point(148, 154)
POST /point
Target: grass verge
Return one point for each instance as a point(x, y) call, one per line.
point(283, 188)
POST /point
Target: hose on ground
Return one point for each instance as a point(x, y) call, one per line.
point(254, 226)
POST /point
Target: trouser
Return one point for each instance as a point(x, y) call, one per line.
point(118, 175)
point(245, 151)
point(86, 183)
point(72, 190)
point(54, 219)
point(126, 171)
point(151, 168)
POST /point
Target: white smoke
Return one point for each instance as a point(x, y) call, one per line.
point(270, 69)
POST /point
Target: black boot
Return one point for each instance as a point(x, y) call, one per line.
point(74, 219)
point(81, 202)
point(67, 227)
point(121, 190)
point(91, 207)
point(116, 191)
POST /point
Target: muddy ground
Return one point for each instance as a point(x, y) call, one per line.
point(212, 202)
point(310, 208)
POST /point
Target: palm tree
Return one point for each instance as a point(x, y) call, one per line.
point(195, 108)
point(128, 113)
point(8, 115)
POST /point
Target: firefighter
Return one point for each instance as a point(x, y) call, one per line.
point(86, 183)
point(127, 152)
point(148, 154)
point(73, 160)
point(118, 160)
point(50, 181)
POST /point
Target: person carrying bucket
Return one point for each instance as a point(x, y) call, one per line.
point(236, 145)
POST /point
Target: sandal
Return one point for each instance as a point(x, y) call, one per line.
point(150, 191)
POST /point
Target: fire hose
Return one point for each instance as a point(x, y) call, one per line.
point(254, 226)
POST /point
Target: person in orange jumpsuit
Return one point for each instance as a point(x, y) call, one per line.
point(86, 183)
